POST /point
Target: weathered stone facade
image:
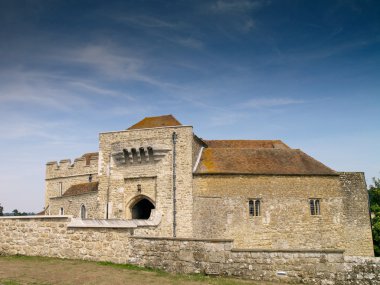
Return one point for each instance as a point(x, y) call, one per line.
point(203, 189)
point(285, 222)
point(59, 178)
point(56, 236)
point(72, 204)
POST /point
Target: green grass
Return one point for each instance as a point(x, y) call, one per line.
point(26, 257)
point(179, 277)
point(130, 267)
point(182, 277)
point(9, 282)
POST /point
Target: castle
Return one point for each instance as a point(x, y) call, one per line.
point(161, 179)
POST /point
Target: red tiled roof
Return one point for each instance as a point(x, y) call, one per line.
point(246, 144)
point(155, 122)
point(81, 188)
point(279, 161)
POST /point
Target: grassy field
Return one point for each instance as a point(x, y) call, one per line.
point(16, 270)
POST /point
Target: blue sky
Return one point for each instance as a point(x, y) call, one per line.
point(305, 72)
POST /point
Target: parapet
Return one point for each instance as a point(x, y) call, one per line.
point(86, 164)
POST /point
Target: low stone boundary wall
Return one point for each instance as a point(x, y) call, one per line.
point(52, 236)
point(217, 257)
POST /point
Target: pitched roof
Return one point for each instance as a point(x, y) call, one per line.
point(260, 160)
point(156, 122)
point(81, 188)
point(246, 144)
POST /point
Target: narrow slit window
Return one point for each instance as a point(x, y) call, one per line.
point(315, 207)
point(254, 206)
point(257, 208)
point(150, 154)
point(61, 211)
point(83, 213)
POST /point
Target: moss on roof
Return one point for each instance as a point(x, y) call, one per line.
point(81, 188)
point(156, 122)
point(246, 144)
point(273, 161)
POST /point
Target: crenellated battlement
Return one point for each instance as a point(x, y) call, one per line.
point(86, 164)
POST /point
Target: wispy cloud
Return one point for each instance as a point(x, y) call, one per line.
point(269, 102)
point(226, 118)
point(305, 54)
point(40, 94)
point(115, 63)
point(249, 24)
point(144, 21)
point(24, 126)
point(224, 6)
point(99, 90)
point(190, 43)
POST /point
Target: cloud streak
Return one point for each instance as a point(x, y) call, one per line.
point(144, 21)
point(237, 6)
point(269, 103)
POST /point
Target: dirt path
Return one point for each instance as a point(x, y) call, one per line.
point(38, 270)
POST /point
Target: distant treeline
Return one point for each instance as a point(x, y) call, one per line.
point(19, 214)
point(15, 212)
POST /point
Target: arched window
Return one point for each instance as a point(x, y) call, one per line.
point(142, 209)
point(61, 211)
point(83, 214)
point(254, 207)
point(315, 207)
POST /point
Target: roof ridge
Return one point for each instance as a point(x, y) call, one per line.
point(155, 122)
point(263, 160)
point(244, 140)
point(315, 159)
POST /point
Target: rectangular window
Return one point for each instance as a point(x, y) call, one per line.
point(254, 207)
point(60, 189)
point(315, 207)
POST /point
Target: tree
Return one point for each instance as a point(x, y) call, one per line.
point(1, 210)
point(17, 213)
point(374, 199)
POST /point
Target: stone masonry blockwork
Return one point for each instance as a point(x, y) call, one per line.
point(202, 189)
point(51, 236)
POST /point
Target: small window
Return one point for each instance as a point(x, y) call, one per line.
point(60, 189)
point(61, 211)
point(90, 178)
point(315, 207)
point(83, 213)
point(254, 207)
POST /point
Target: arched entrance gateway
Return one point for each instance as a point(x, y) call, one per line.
point(142, 209)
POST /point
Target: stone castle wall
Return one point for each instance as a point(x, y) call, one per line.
point(52, 236)
point(118, 181)
point(68, 174)
point(212, 206)
point(72, 205)
point(357, 223)
point(285, 221)
point(217, 257)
